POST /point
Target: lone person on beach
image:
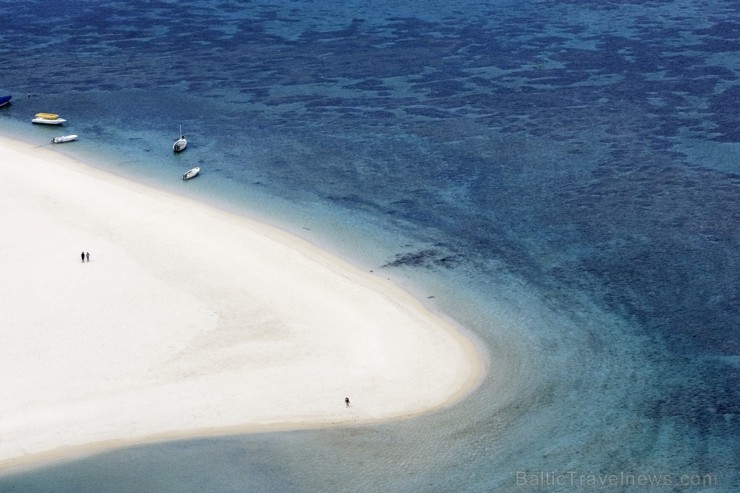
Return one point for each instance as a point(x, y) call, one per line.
point(87, 256)
point(346, 401)
point(82, 255)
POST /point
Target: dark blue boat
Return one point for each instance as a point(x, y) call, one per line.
point(5, 100)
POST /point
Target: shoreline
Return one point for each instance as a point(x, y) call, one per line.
point(213, 343)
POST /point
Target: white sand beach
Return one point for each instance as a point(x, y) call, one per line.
point(188, 320)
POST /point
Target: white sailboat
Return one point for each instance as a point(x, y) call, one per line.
point(181, 143)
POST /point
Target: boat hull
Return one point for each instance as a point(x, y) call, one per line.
point(191, 173)
point(180, 145)
point(44, 121)
point(64, 138)
point(5, 100)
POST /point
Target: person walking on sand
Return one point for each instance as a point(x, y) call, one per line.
point(87, 256)
point(346, 401)
point(82, 255)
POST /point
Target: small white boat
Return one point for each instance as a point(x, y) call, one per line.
point(191, 173)
point(48, 119)
point(64, 138)
point(181, 143)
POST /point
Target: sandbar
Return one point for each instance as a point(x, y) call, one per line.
point(189, 320)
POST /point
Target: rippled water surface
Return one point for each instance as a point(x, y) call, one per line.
point(562, 178)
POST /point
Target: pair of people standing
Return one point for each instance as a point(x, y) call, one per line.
point(85, 256)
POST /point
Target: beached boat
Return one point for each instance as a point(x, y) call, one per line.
point(5, 100)
point(48, 119)
point(191, 173)
point(181, 143)
point(64, 138)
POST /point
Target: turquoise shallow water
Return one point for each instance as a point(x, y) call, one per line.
point(560, 178)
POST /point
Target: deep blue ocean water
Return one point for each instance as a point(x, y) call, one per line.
point(562, 178)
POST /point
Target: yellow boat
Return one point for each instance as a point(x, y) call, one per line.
point(48, 119)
